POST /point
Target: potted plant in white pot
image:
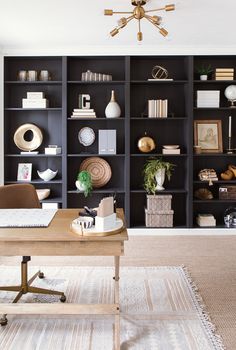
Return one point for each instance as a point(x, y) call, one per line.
point(204, 71)
point(155, 171)
point(84, 182)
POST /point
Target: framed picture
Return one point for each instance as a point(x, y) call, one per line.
point(24, 172)
point(208, 135)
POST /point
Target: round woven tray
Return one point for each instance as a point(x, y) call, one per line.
point(99, 169)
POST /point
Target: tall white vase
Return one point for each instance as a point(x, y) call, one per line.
point(160, 178)
point(112, 109)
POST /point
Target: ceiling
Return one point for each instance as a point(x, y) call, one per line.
point(76, 26)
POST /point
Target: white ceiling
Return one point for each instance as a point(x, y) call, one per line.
point(74, 26)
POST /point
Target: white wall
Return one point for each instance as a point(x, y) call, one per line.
point(1, 119)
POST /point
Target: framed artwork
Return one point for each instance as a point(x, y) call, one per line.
point(208, 135)
point(24, 172)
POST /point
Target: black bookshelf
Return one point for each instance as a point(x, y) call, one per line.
point(132, 88)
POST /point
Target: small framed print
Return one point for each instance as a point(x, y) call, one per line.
point(208, 135)
point(24, 172)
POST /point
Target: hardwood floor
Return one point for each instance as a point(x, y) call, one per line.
point(211, 262)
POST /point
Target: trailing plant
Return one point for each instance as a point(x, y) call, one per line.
point(204, 70)
point(150, 169)
point(84, 177)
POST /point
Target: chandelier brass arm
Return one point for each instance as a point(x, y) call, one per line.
point(139, 13)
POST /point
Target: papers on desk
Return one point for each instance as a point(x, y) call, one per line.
point(26, 217)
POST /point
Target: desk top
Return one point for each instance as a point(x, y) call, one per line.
point(58, 230)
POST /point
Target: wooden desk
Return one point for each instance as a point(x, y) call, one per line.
point(59, 240)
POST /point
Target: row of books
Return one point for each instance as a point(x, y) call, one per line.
point(157, 108)
point(208, 98)
point(224, 74)
point(83, 113)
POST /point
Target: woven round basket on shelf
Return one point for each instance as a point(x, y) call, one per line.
point(99, 169)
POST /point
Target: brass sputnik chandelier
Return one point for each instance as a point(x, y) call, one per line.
point(139, 13)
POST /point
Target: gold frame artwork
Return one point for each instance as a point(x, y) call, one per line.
point(210, 135)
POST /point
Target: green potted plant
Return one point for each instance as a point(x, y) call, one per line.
point(204, 71)
point(84, 182)
point(155, 170)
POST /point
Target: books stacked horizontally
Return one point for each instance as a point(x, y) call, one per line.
point(157, 108)
point(35, 100)
point(83, 113)
point(205, 220)
point(170, 149)
point(208, 98)
point(224, 74)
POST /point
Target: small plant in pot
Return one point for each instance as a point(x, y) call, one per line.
point(204, 71)
point(155, 170)
point(84, 182)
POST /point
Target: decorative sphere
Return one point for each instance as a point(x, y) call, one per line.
point(230, 92)
point(146, 144)
point(159, 72)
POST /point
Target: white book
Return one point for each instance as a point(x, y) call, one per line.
point(26, 217)
point(82, 113)
point(78, 110)
point(49, 205)
point(34, 103)
point(35, 95)
point(83, 116)
point(208, 93)
point(151, 108)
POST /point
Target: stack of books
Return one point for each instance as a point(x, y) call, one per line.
point(157, 108)
point(35, 100)
point(224, 74)
point(83, 113)
point(208, 98)
point(205, 220)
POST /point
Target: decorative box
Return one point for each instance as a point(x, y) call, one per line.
point(159, 202)
point(227, 192)
point(163, 218)
point(52, 150)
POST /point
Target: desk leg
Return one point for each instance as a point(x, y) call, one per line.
point(117, 301)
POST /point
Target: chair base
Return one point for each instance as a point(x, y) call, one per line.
point(26, 287)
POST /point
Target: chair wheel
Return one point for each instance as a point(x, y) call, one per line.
point(3, 321)
point(63, 298)
point(41, 275)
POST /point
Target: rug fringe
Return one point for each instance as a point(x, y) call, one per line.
point(203, 313)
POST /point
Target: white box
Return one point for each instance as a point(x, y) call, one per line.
point(35, 95)
point(50, 205)
point(34, 103)
point(170, 151)
point(52, 150)
point(105, 224)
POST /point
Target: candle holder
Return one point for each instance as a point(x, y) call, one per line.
point(230, 150)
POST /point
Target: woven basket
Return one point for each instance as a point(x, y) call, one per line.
point(160, 219)
point(159, 202)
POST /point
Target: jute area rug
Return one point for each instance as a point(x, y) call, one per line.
point(161, 310)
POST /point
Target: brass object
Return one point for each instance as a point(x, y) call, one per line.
point(146, 144)
point(139, 13)
point(22, 143)
point(227, 175)
point(159, 72)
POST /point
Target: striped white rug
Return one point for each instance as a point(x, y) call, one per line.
point(161, 310)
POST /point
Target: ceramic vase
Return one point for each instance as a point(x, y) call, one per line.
point(80, 186)
point(112, 109)
point(160, 178)
point(203, 77)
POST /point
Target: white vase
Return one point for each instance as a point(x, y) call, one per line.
point(160, 178)
point(203, 77)
point(80, 186)
point(112, 109)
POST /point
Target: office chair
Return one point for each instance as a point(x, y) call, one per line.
point(17, 197)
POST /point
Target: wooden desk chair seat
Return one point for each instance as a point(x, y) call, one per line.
point(17, 197)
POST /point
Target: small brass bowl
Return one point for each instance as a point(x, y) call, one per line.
point(146, 144)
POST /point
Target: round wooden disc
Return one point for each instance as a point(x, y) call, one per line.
point(99, 169)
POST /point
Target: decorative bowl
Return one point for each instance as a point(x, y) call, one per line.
point(170, 146)
point(43, 193)
point(47, 174)
point(84, 221)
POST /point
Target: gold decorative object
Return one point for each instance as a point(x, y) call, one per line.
point(99, 170)
point(227, 175)
point(203, 193)
point(139, 13)
point(19, 137)
point(146, 144)
point(159, 72)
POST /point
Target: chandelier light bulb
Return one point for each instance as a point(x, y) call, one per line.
point(114, 32)
point(140, 36)
point(170, 7)
point(122, 22)
point(157, 19)
point(108, 12)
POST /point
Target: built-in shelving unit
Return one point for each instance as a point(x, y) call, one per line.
point(133, 90)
